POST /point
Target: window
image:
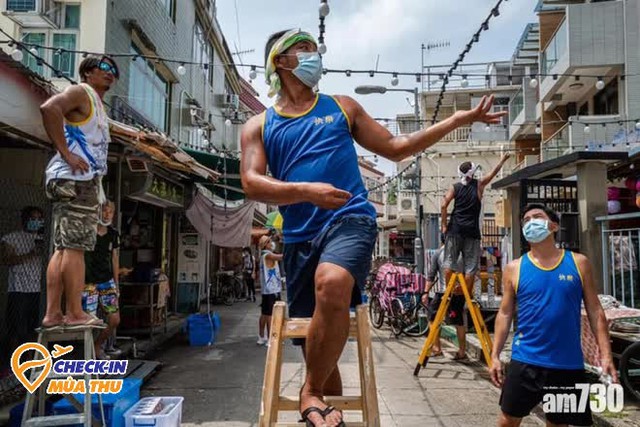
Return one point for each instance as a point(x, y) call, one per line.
point(21, 5)
point(169, 7)
point(65, 38)
point(203, 52)
point(148, 90)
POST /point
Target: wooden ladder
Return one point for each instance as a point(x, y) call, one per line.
point(476, 316)
point(272, 402)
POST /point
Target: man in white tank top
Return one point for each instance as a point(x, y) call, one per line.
point(78, 127)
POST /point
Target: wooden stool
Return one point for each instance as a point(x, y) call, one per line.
point(46, 336)
point(272, 402)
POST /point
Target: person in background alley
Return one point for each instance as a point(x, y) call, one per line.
point(101, 288)
point(78, 127)
point(547, 286)
point(249, 273)
point(306, 140)
point(270, 285)
point(23, 251)
point(436, 278)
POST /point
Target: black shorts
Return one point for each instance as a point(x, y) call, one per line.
point(526, 385)
point(455, 314)
point(267, 303)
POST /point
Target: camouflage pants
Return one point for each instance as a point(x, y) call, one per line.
point(75, 213)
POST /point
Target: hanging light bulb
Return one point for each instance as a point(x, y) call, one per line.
point(464, 83)
point(227, 123)
point(538, 130)
point(395, 80)
point(205, 142)
point(34, 51)
point(322, 48)
point(600, 84)
point(200, 131)
point(487, 128)
point(638, 125)
point(587, 129)
point(181, 70)
point(324, 9)
point(17, 54)
point(533, 83)
point(253, 73)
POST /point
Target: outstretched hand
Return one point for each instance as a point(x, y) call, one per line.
point(482, 113)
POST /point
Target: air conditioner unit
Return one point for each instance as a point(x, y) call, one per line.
point(228, 100)
point(137, 164)
point(192, 116)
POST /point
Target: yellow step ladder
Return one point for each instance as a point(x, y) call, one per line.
point(476, 316)
point(282, 329)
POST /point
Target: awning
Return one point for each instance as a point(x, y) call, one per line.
point(228, 186)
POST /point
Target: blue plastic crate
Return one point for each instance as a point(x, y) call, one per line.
point(202, 330)
point(115, 405)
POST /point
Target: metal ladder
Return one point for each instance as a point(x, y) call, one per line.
point(272, 402)
point(476, 316)
point(64, 334)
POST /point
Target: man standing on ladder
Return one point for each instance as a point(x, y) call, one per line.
point(306, 140)
point(463, 236)
point(547, 285)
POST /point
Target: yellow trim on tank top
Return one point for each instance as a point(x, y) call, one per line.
point(573, 255)
point(546, 269)
point(295, 116)
point(346, 116)
point(91, 113)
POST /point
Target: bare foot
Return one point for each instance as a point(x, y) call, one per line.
point(85, 319)
point(308, 400)
point(53, 320)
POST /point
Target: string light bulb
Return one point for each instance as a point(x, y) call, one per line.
point(205, 142)
point(395, 80)
point(533, 83)
point(181, 70)
point(227, 123)
point(34, 51)
point(253, 73)
point(487, 128)
point(638, 125)
point(587, 129)
point(464, 83)
point(322, 48)
point(17, 54)
point(600, 84)
point(200, 131)
point(538, 130)
point(324, 9)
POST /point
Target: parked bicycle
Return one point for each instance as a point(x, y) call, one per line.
point(227, 288)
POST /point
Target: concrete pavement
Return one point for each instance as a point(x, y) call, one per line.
point(222, 383)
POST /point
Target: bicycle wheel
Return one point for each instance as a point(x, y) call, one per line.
point(418, 325)
point(396, 321)
point(227, 293)
point(375, 313)
point(238, 288)
point(630, 370)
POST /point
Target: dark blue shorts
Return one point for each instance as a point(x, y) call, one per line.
point(348, 242)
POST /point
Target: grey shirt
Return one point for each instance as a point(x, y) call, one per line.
point(436, 267)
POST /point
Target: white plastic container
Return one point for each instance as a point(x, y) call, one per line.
point(169, 416)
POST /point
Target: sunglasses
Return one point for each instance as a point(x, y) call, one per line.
point(105, 66)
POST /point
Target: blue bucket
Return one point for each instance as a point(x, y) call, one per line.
point(202, 330)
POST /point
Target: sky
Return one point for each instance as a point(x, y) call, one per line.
point(360, 33)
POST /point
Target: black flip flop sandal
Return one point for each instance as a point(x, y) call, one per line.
point(305, 415)
point(330, 409)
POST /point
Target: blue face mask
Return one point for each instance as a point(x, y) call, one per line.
point(309, 69)
point(536, 230)
point(34, 225)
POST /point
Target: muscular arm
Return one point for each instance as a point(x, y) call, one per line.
point(505, 314)
point(487, 179)
point(444, 206)
point(595, 313)
point(432, 273)
point(377, 139)
point(54, 111)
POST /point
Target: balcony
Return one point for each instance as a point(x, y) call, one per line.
point(589, 41)
point(460, 134)
point(599, 137)
point(34, 13)
point(522, 112)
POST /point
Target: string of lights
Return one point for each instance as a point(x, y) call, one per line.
point(19, 47)
point(323, 12)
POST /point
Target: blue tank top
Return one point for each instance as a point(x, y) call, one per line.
point(549, 303)
point(315, 146)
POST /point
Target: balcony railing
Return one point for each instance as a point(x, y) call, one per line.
point(558, 145)
point(460, 134)
point(34, 13)
point(516, 105)
point(556, 49)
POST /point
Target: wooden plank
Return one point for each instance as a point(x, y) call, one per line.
point(344, 403)
point(271, 384)
point(297, 328)
point(370, 413)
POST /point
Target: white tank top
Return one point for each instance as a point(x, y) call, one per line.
point(88, 139)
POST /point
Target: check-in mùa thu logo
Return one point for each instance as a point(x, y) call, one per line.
point(67, 369)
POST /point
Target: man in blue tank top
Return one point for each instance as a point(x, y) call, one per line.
point(329, 227)
point(547, 285)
